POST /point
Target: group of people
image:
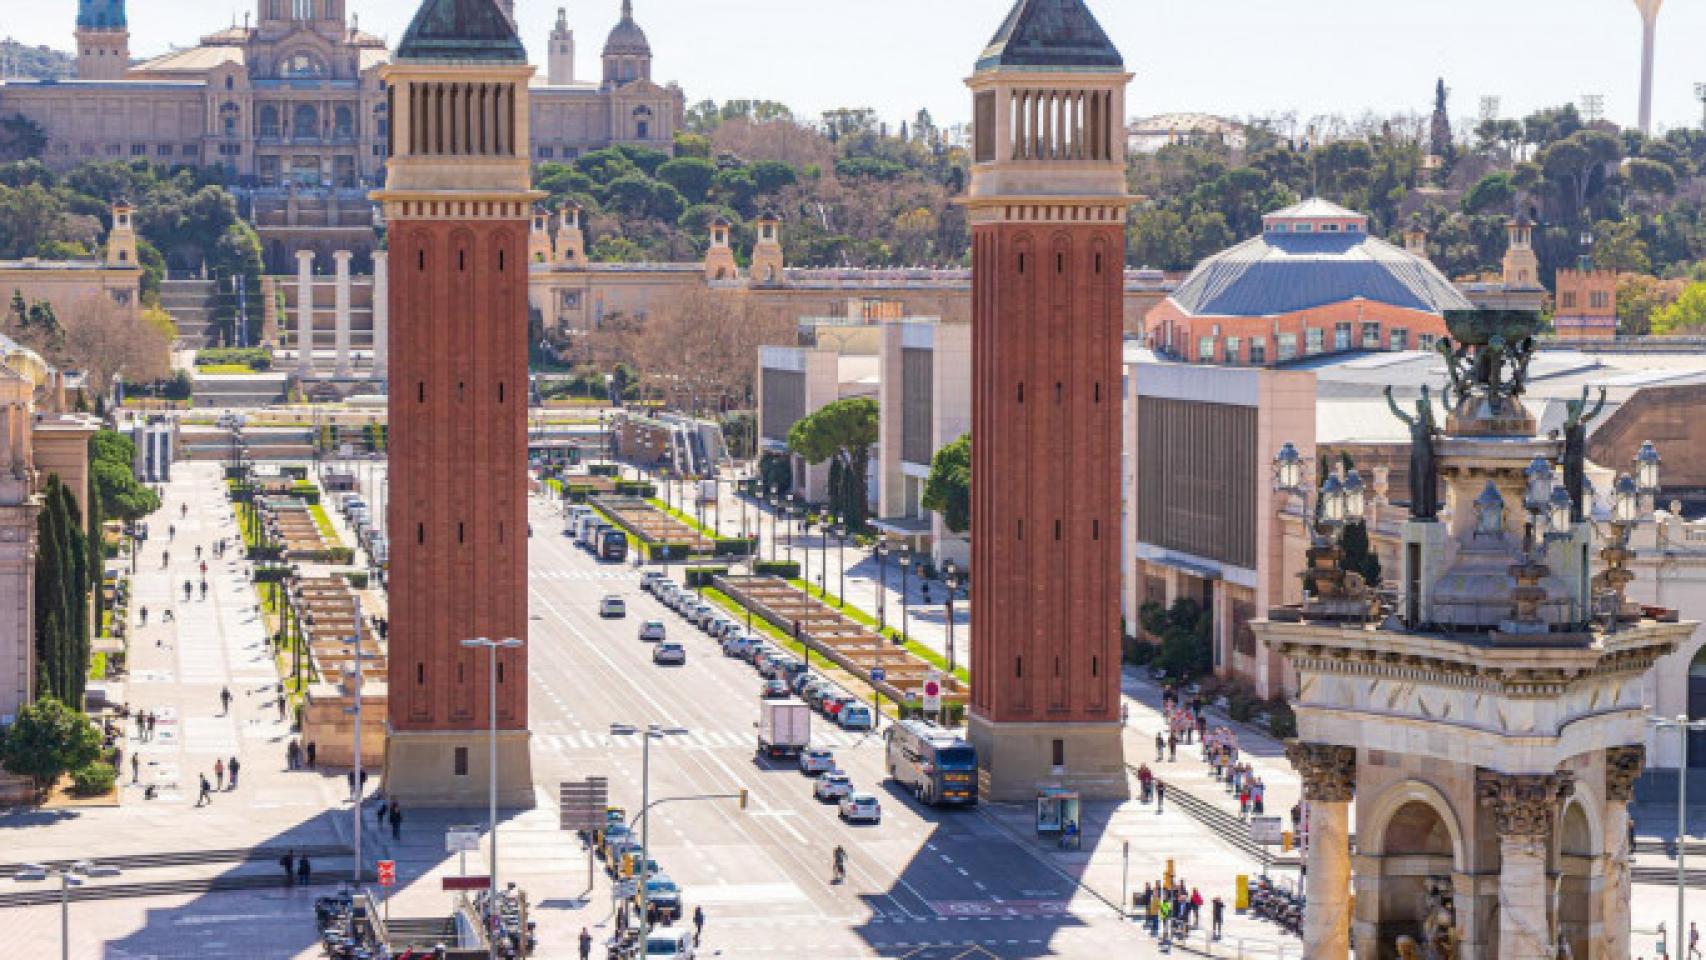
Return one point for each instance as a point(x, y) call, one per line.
point(1170, 910)
point(296, 869)
point(220, 768)
point(296, 756)
point(388, 811)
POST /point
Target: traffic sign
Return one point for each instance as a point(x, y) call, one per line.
point(387, 873)
point(878, 674)
point(933, 692)
point(581, 804)
point(462, 840)
point(1266, 831)
point(624, 889)
point(451, 884)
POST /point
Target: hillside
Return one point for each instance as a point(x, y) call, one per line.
point(34, 63)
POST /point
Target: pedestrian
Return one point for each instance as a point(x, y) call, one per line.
point(288, 862)
point(1160, 748)
point(1243, 801)
point(698, 924)
point(1257, 793)
point(234, 767)
point(293, 755)
point(303, 871)
point(1631, 834)
point(586, 944)
point(1151, 911)
point(1172, 747)
point(311, 752)
point(206, 796)
point(351, 778)
point(281, 708)
point(396, 821)
point(225, 697)
point(1196, 907)
point(1217, 914)
point(1693, 940)
point(135, 768)
point(1125, 708)
point(1160, 795)
point(219, 773)
point(1166, 920)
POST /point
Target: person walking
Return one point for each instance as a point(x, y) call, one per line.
point(698, 924)
point(234, 766)
point(396, 821)
point(311, 752)
point(225, 699)
point(1217, 915)
point(1151, 911)
point(1160, 795)
point(1160, 748)
point(206, 796)
point(135, 768)
point(1172, 747)
point(586, 944)
point(303, 871)
point(288, 862)
point(219, 773)
point(293, 755)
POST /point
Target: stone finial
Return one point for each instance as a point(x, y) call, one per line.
point(1329, 772)
point(1525, 805)
point(1622, 768)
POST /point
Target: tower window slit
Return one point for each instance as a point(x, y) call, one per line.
point(500, 393)
point(460, 530)
point(462, 260)
point(500, 533)
point(500, 672)
point(1096, 529)
point(1019, 667)
point(1057, 529)
point(1057, 666)
point(460, 673)
point(420, 392)
point(420, 260)
point(500, 261)
point(1021, 263)
point(1060, 263)
point(1098, 263)
point(1098, 393)
point(1095, 666)
point(1021, 391)
point(420, 533)
point(1059, 392)
point(420, 673)
point(1021, 528)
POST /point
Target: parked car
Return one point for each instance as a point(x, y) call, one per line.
point(650, 579)
point(734, 644)
point(774, 690)
point(816, 761)
point(802, 680)
point(832, 785)
point(861, 808)
point(816, 690)
point(701, 613)
point(652, 631)
point(669, 943)
point(833, 704)
point(669, 652)
point(613, 606)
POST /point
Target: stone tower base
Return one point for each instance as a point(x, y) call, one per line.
point(1015, 759)
point(421, 769)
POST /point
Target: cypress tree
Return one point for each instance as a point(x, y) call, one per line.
point(76, 589)
point(50, 606)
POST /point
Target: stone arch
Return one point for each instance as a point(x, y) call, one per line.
point(1694, 694)
point(305, 122)
point(1575, 856)
point(1413, 842)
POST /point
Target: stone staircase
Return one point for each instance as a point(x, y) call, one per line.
point(1230, 828)
point(241, 390)
point(167, 874)
point(191, 304)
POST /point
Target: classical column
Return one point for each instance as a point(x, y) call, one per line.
point(305, 313)
point(1622, 767)
point(1525, 807)
point(381, 312)
point(1329, 782)
point(341, 330)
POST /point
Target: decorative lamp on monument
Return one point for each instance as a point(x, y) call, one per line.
point(1490, 512)
point(1614, 580)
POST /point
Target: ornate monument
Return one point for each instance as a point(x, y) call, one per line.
point(1487, 720)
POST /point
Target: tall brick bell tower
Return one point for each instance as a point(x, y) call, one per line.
point(457, 199)
point(1048, 209)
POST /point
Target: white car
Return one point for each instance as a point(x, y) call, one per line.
point(701, 614)
point(613, 606)
point(650, 581)
point(832, 786)
point(669, 943)
point(652, 631)
point(736, 644)
point(816, 761)
point(861, 808)
point(669, 652)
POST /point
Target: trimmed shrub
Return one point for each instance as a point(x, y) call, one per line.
point(703, 576)
point(356, 578)
point(735, 547)
point(295, 473)
point(255, 358)
point(786, 569)
point(340, 555)
point(271, 574)
point(604, 469)
point(636, 488)
point(577, 492)
point(93, 779)
point(668, 552)
point(1282, 722)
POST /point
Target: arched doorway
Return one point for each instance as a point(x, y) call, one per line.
point(1416, 863)
point(1697, 709)
point(1574, 866)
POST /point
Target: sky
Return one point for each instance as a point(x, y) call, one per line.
point(1235, 58)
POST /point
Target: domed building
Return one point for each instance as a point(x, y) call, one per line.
point(1314, 282)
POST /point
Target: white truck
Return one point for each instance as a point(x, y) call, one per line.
point(784, 728)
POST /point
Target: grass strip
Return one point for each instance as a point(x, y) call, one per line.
point(859, 616)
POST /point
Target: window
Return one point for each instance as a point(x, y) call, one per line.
point(1342, 335)
point(1205, 350)
point(546, 153)
point(1059, 753)
point(1425, 341)
point(164, 149)
point(1329, 228)
point(1353, 228)
point(1258, 351)
point(269, 121)
point(1280, 228)
point(1400, 338)
point(1287, 343)
point(139, 149)
point(1234, 350)
point(1313, 340)
point(230, 83)
point(461, 761)
point(1567, 299)
point(1599, 299)
point(1371, 336)
point(301, 65)
point(1303, 228)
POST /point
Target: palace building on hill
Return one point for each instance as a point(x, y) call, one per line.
point(291, 104)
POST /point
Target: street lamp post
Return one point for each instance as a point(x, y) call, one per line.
point(882, 586)
point(951, 581)
point(841, 553)
point(1683, 726)
point(65, 875)
point(823, 553)
point(356, 775)
point(905, 593)
point(651, 732)
point(492, 647)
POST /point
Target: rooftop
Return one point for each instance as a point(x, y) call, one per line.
point(1050, 35)
point(461, 31)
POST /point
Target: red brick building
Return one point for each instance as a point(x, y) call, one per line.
point(1586, 304)
point(1314, 282)
point(457, 198)
point(1047, 207)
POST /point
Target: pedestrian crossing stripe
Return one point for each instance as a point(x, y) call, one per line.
point(696, 740)
point(586, 575)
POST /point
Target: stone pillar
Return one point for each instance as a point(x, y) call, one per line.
point(1622, 767)
point(1329, 782)
point(341, 330)
point(1525, 808)
point(381, 312)
point(305, 313)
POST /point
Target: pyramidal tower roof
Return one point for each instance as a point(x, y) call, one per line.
point(1050, 35)
point(461, 31)
point(101, 15)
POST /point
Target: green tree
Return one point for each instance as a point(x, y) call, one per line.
point(29, 216)
point(1686, 315)
point(1492, 193)
point(21, 139)
point(1617, 245)
point(772, 175)
point(948, 490)
point(47, 739)
point(1640, 297)
point(111, 459)
point(845, 431)
point(691, 176)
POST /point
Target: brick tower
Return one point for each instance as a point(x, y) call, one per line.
point(457, 197)
point(1048, 208)
point(103, 40)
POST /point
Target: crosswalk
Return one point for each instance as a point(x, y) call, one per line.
point(586, 740)
point(602, 574)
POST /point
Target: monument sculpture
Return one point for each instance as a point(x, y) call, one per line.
point(1488, 727)
point(1576, 420)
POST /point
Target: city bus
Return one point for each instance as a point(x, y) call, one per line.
point(936, 764)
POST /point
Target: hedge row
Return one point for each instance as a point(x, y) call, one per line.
point(705, 576)
point(786, 569)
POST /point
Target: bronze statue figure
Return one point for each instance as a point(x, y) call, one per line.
point(1424, 468)
point(1520, 358)
point(1453, 355)
point(1576, 450)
